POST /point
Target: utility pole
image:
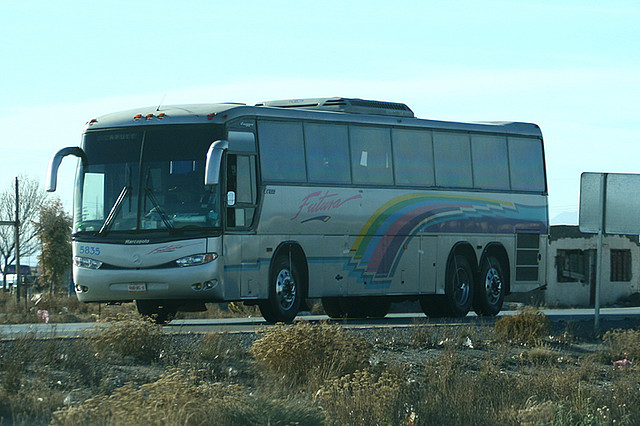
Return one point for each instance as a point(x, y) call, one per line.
point(17, 227)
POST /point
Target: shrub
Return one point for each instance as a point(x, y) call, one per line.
point(455, 391)
point(422, 335)
point(180, 398)
point(623, 344)
point(309, 353)
point(217, 354)
point(541, 356)
point(528, 326)
point(129, 336)
point(366, 397)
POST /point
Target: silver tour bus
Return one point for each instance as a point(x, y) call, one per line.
point(354, 202)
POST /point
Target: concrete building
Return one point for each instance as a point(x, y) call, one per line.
point(571, 268)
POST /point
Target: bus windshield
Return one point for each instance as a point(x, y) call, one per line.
point(142, 180)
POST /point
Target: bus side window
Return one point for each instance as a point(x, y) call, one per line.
point(241, 179)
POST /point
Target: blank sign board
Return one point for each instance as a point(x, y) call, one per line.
point(610, 201)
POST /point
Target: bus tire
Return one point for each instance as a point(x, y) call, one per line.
point(377, 307)
point(459, 286)
point(433, 305)
point(160, 311)
point(331, 306)
point(353, 307)
point(285, 292)
point(490, 289)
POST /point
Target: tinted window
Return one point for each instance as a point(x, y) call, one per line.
point(490, 162)
point(413, 157)
point(371, 160)
point(452, 159)
point(327, 148)
point(281, 151)
point(525, 161)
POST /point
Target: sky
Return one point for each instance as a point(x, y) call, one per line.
point(572, 67)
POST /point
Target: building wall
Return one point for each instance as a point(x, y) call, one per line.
point(578, 294)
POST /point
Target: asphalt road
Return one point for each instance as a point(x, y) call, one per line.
point(617, 315)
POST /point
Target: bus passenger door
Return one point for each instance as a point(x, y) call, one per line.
point(428, 255)
point(242, 263)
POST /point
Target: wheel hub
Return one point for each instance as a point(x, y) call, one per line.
point(285, 289)
point(462, 289)
point(493, 285)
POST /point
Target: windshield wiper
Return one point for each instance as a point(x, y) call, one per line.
point(114, 210)
point(159, 210)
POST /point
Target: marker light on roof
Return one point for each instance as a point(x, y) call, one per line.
point(149, 116)
point(137, 116)
point(93, 121)
point(211, 115)
point(161, 115)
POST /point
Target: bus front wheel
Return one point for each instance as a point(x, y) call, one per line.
point(285, 292)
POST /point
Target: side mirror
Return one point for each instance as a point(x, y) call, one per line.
point(214, 162)
point(54, 164)
point(231, 198)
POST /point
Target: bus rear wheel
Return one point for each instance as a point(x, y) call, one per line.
point(356, 307)
point(332, 307)
point(490, 291)
point(459, 286)
point(432, 305)
point(285, 292)
point(377, 307)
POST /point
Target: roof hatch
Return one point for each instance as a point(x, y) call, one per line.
point(347, 105)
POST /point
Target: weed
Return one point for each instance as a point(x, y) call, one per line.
point(528, 326)
point(216, 353)
point(541, 356)
point(308, 354)
point(241, 310)
point(179, 397)
point(623, 344)
point(535, 413)
point(452, 393)
point(128, 336)
point(367, 397)
point(422, 335)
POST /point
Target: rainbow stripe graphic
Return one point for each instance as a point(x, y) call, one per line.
point(379, 247)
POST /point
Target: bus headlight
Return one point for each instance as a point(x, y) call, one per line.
point(197, 259)
point(85, 262)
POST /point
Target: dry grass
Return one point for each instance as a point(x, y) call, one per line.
point(623, 344)
point(542, 355)
point(313, 374)
point(367, 397)
point(181, 398)
point(307, 355)
point(528, 326)
point(62, 308)
point(128, 336)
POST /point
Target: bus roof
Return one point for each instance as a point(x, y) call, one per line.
point(346, 110)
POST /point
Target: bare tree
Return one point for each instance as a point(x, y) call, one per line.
point(54, 231)
point(31, 198)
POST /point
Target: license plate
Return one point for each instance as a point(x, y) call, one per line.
point(137, 288)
